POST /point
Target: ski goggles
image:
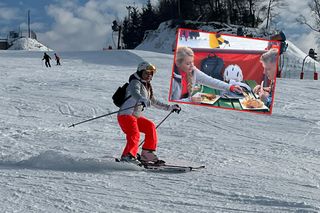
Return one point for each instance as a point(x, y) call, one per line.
point(150, 69)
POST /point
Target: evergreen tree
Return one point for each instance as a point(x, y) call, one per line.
point(149, 20)
point(132, 34)
point(246, 13)
point(167, 10)
point(125, 32)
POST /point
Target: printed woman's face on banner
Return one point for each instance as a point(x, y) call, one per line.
point(187, 64)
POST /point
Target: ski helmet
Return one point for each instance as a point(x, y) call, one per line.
point(146, 66)
point(233, 72)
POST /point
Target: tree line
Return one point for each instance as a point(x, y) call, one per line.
point(248, 13)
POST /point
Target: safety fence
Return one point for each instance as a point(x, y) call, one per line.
point(298, 68)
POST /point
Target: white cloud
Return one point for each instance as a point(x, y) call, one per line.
point(303, 36)
point(8, 13)
point(35, 26)
point(83, 27)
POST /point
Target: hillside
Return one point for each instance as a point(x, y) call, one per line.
point(163, 40)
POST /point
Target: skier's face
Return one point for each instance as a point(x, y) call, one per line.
point(187, 64)
point(269, 69)
point(147, 75)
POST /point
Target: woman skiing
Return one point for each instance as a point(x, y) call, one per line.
point(131, 120)
point(187, 75)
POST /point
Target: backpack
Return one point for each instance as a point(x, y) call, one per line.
point(119, 97)
point(212, 66)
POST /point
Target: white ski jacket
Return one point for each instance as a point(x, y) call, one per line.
point(138, 91)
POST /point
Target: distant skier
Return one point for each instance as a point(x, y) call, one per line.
point(185, 34)
point(57, 59)
point(131, 120)
point(47, 59)
point(215, 40)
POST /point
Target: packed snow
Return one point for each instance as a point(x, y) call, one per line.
point(254, 163)
point(28, 44)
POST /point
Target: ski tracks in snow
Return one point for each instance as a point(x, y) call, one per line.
point(254, 163)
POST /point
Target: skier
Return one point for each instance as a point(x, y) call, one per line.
point(215, 40)
point(57, 59)
point(47, 59)
point(269, 63)
point(185, 34)
point(187, 75)
point(131, 120)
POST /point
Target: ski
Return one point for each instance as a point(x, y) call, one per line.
point(167, 167)
point(171, 168)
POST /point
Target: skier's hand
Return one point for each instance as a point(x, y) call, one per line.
point(264, 96)
point(175, 108)
point(145, 102)
point(236, 89)
point(256, 89)
point(196, 99)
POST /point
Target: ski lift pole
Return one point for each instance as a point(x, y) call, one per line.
point(159, 124)
point(302, 73)
point(91, 119)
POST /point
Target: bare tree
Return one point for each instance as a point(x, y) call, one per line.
point(269, 10)
point(315, 8)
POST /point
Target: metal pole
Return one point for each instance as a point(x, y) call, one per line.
point(119, 37)
point(302, 73)
point(158, 125)
point(91, 119)
point(29, 33)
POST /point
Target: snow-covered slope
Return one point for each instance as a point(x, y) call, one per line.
point(160, 40)
point(255, 163)
point(28, 44)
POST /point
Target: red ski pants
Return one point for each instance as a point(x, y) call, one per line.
point(132, 126)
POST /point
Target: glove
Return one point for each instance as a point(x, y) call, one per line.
point(175, 108)
point(145, 102)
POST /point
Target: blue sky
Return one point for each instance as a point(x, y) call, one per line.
point(66, 24)
point(86, 24)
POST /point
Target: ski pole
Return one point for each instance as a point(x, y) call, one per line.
point(158, 125)
point(91, 119)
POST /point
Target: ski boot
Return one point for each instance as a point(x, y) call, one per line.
point(130, 159)
point(149, 157)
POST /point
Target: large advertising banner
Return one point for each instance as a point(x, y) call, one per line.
point(224, 71)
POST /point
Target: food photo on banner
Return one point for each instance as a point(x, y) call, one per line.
point(224, 71)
